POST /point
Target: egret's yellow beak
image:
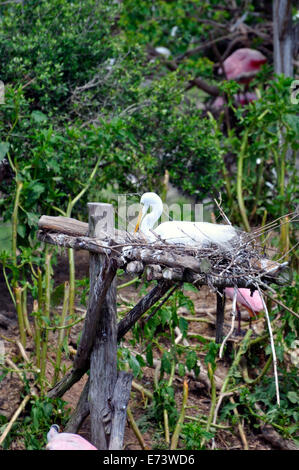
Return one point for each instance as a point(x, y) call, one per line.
point(138, 220)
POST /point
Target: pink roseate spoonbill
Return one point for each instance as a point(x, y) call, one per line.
point(253, 303)
point(241, 99)
point(243, 64)
point(66, 440)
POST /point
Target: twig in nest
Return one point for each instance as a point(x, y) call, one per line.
point(221, 210)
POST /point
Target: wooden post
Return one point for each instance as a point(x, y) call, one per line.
point(119, 403)
point(220, 314)
point(80, 413)
point(103, 358)
point(283, 35)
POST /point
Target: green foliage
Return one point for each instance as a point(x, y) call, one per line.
point(193, 433)
point(272, 129)
point(53, 47)
point(32, 430)
point(90, 96)
point(284, 418)
point(156, 329)
point(211, 355)
point(164, 399)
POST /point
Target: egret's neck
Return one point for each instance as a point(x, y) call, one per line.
point(150, 219)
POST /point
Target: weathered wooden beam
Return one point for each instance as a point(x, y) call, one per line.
point(219, 315)
point(134, 267)
point(127, 248)
point(119, 403)
point(143, 305)
point(103, 357)
point(97, 298)
point(153, 271)
point(81, 412)
point(66, 383)
point(162, 257)
point(76, 228)
point(64, 225)
point(173, 274)
point(77, 243)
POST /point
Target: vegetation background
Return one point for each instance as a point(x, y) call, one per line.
point(105, 98)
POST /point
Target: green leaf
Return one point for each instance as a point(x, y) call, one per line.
point(135, 366)
point(38, 116)
point(21, 229)
point(5, 236)
point(149, 355)
point(165, 315)
point(205, 265)
point(57, 295)
point(293, 122)
point(183, 326)
point(191, 360)
point(190, 287)
point(211, 354)
point(4, 146)
point(181, 369)
point(48, 407)
point(166, 362)
point(32, 219)
point(293, 397)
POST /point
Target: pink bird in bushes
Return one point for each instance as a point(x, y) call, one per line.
point(243, 64)
point(240, 99)
point(253, 303)
point(66, 440)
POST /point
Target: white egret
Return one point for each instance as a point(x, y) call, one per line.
point(180, 232)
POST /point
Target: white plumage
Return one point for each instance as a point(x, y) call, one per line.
point(180, 232)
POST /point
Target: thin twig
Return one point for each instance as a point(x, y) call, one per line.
point(175, 436)
point(240, 427)
point(14, 418)
point(234, 309)
point(272, 346)
point(136, 430)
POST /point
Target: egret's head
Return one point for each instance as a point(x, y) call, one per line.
point(148, 200)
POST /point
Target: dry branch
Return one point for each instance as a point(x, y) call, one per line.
point(141, 307)
point(97, 297)
point(80, 413)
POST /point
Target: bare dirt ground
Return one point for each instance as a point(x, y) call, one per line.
point(12, 386)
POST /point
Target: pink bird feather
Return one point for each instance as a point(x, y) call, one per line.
point(243, 64)
point(66, 440)
point(240, 99)
point(253, 304)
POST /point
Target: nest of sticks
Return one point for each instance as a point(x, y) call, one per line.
point(242, 263)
